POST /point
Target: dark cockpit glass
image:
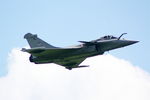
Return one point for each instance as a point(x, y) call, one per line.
point(108, 37)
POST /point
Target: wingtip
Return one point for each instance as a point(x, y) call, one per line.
point(23, 49)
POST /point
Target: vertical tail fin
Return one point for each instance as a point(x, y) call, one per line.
point(34, 41)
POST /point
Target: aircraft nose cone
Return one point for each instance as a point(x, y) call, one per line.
point(129, 42)
point(132, 42)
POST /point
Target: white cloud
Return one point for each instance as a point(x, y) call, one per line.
point(107, 78)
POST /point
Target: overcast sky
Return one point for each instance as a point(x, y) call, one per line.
point(63, 23)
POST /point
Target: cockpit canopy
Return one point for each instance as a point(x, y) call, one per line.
point(108, 37)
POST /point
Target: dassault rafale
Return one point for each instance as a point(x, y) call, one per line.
point(71, 57)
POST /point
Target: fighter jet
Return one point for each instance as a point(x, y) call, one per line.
point(71, 57)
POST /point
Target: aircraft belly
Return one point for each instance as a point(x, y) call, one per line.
point(49, 57)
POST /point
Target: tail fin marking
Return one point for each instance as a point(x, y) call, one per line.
point(35, 42)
